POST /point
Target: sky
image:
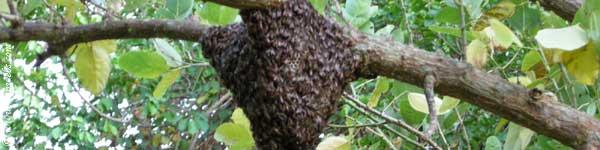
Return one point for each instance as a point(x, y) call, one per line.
point(4, 101)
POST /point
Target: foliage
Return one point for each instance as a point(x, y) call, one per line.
point(159, 93)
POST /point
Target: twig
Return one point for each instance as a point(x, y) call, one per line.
point(462, 125)
point(107, 12)
point(393, 120)
point(55, 13)
point(9, 17)
point(17, 22)
point(385, 125)
point(463, 28)
point(411, 37)
point(430, 95)
point(65, 73)
point(358, 125)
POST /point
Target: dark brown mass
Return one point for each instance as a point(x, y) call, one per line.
point(287, 68)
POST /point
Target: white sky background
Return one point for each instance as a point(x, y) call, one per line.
point(6, 96)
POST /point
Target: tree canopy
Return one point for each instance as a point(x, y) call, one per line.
point(131, 74)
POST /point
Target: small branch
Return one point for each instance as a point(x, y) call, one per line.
point(385, 126)
point(464, 129)
point(9, 17)
point(430, 95)
point(358, 125)
point(66, 74)
point(463, 30)
point(107, 12)
point(12, 8)
point(55, 13)
point(392, 120)
point(13, 11)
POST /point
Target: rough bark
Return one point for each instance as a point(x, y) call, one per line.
point(248, 4)
point(563, 8)
point(488, 91)
point(379, 57)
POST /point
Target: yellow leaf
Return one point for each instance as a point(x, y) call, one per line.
point(381, 87)
point(501, 11)
point(238, 117)
point(71, 6)
point(501, 37)
point(109, 46)
point(524, 81)
point(334, 143)
point(167, 80)
point(477, 53)
point(582, 64)
point(4, 7)
point(92, 66)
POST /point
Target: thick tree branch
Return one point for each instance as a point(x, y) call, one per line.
point(563, 8)
point(249, 4)
point(490, 92)
point(69, 35)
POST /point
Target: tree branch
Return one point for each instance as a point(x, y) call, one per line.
point(490, 92)
point(563, 8)
point(249, 4)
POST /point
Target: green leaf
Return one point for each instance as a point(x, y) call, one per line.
point(565, 39)
point(525, 18)
point(182, 125)
point(501, 36)
point(582, 17)
point(4, 7)
point(419, 103)
point(192, 127)
point(29, 6)
point(92, 65)
point(452, 31)
point(517, 137)
point(216, 14)
point(235, 135)
point(387, 30)
point(368, 28)
point(319, 5)
point(238, 117)
point(143, 64)
point(131, 5)
point(167, 52)
point(334, 143)
point(594, 31)
point(358, 13)
point(168, 79)
point(178, 9)
point(449, 15)
point(409, 114)
point(110, 128)
point(531, 59)
point(477, 53)
point(448, 104)
point(493, 143)
point(358, 8)
point(551, 20)
point(56, 133)
point(382, 85)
